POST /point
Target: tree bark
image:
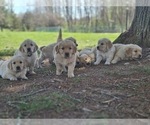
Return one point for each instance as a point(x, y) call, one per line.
point(139, 31)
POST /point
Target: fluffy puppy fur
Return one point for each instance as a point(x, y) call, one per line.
point(46, 52)
point(86, 57)
point(65, 54)
point(126, 52)
point(28, 50)
point(104, 51)
point(13, 68)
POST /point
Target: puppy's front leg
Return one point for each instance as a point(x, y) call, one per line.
point(71, 70)
point(31, 70)
point(10, 77)
point(98, 59)
point(108, 60)
point(58, 69)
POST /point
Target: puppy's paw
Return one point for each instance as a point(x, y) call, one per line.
point(96, 63)
point(25, 78)
point(13, 79)
point(70, 75)
point(32, 73)
point(107, 63)
point(113, 61)
point(58, 73)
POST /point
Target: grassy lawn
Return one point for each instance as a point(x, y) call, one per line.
point(10, 41)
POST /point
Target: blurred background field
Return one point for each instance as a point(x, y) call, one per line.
point(10, 41)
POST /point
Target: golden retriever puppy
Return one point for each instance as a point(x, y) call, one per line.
point(46, 52)
point(126, 52)
point(104, 51)
point(86, 57)
point(28, 50)
point(65, 54)
point(13, 68)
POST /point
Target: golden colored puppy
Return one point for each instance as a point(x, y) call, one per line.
point(13, 68)
point(46, 52)
point(65, 54)
point(126, 52)
point(104, 51)
point(28, 50)
point(86, 57)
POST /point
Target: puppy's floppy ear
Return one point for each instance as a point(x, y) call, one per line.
point(35, 47)
point(21, 48)
point(128, 52)
point(57, 48)
point(74, 49)
point(10, 65)
point(109, 45)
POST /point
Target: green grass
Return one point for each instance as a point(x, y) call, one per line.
point(144, 70)
point(10, 41)
point(57, 102)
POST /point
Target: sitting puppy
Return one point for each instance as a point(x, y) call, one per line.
point(86, 57)
point(46, 52)
point(65, 54)
point(28, 50)
point(126, 52)
point(105, 51)
point(13, 68)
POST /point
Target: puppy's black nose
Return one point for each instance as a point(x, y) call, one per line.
point(97, 47)
point(29, 49)
point(66, 54)
point(18, 68)
point(88, 64)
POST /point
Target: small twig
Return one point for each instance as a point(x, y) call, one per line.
point(141, 114)
point(33, 93)
point(108, 101)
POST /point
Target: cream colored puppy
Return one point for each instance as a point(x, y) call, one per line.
point(28, 50)
point(65, 54)
point(13, 68)
point(104, 51)
point(126, 52)
point(86, 57)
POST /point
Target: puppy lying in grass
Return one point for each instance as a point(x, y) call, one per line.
point(13, 68)
point(126, 52)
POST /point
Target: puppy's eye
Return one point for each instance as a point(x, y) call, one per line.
point(20, 62)
point(70, 48)
point(135, 51)
point(62, 48)
point(85, 59)
point(102, 43)
point(25, 45)
point(14, 63)
point(31, 44)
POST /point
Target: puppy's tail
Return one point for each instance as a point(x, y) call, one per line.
point(59, 36)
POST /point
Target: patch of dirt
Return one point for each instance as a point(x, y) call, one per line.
point(115, 91)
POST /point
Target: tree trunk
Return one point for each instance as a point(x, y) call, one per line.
point(139, 31)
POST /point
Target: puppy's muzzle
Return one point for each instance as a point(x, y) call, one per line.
point(97, 47)
point(29, 53)
point(66, 55)
point(140, 56)
point(18, 69)
point(28, 49)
